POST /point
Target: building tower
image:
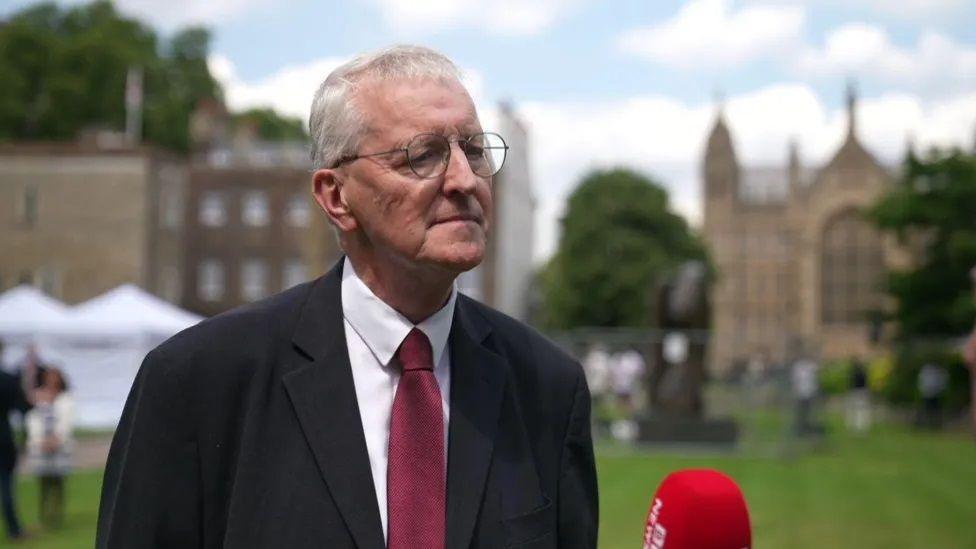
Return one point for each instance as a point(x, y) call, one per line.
point(720, 172)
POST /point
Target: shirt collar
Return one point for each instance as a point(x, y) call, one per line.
point(381, 327)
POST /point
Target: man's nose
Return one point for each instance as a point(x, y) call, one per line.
point(458, 177)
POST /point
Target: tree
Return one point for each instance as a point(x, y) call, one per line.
point(64, 70)
point(934, 207)
point(272, 126)
point(619, 239)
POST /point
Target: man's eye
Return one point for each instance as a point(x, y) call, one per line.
point(474, 150)
point(424, 156)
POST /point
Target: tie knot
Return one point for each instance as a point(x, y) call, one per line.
point(415, 352)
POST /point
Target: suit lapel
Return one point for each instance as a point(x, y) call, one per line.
point(324, 397)
point(477, 384)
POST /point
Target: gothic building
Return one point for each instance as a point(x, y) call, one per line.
point(800, 269)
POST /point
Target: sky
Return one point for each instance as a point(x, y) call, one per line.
point(628, 82)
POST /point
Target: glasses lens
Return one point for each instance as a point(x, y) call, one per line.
point(428, 154)
point(486, 153)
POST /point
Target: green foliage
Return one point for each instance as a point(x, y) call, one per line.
point(272, 126)
point(902, 386)
point(835, 377)
point(934, 208)
point(64, 70)
point(619, 239)
point(936, 202)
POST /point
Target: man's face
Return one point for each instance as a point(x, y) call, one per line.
point(441, 221)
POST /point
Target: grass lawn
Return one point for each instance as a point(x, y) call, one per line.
point(891, 489)
point(81, 512)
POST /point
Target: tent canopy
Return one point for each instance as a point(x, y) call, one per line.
point(26, 310)
point(128, 309)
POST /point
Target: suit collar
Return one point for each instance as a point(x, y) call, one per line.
point(477, 385)
point(381, 327)
point(324, 397)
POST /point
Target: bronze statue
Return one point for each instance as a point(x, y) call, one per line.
point(682, 314)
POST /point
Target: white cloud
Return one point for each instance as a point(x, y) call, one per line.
point(910, 10)
point(934, 63)
point(665, 138)
point(709, 33)
point(288, 91)
point(508, 17)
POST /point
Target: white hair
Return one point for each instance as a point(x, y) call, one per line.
point(336, 124)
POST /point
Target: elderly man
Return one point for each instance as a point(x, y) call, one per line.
point(374, 407)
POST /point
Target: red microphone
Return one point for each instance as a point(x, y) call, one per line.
point(698, 509)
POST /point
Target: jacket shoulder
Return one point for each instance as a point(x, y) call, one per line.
point(242, 332)
point(524, 343)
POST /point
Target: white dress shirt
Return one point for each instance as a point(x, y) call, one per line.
point(374, 331)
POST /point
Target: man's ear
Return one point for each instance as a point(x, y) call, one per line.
point(327, 187)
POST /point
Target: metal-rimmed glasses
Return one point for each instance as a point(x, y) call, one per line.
point(428, 154)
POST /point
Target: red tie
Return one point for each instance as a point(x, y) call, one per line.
point(415, 491)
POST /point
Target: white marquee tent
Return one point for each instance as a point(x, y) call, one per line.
point(25, 311)
point(99, 344)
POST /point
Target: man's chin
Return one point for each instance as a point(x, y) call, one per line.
point(459, 259)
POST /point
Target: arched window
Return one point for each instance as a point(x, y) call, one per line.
point(852, 269)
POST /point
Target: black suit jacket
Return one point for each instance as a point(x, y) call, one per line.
point(11, 398)
point(244, 431)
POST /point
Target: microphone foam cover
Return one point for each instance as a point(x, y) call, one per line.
point(698, 509)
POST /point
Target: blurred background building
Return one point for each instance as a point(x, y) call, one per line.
point(83, 217)
point(800, 269)
point(251, 231)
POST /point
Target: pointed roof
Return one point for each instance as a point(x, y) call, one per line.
point(851, 151)
point(128, 309)
point(27, 310)
point(720, 138)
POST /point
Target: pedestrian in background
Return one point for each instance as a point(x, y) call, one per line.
point(12, 397)
point(932, 382)
point(627, 367)
point(50, 443)
point(858, 398)
point(805, 390)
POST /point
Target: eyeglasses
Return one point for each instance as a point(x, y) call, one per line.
point(428, 154)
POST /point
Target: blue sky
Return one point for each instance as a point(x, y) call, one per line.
point(629, 82)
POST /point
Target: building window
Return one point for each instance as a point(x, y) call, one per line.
point(169, 284)
point(50, 281)
point(852, 264)
point(254, 279)
point(171, 209)
point(254, 209)
point(28, 207)
point(213, 209)
point(210, 280)
point(293, 274)
point(298, 211)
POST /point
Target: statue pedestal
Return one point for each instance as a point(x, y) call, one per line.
point(716, 432)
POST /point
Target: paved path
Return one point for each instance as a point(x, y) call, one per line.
point(91, 452)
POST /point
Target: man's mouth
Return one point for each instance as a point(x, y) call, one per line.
point(460, 218)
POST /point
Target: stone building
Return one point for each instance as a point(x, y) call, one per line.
point(80, 218)
point(252, 228)
point(800, 269)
